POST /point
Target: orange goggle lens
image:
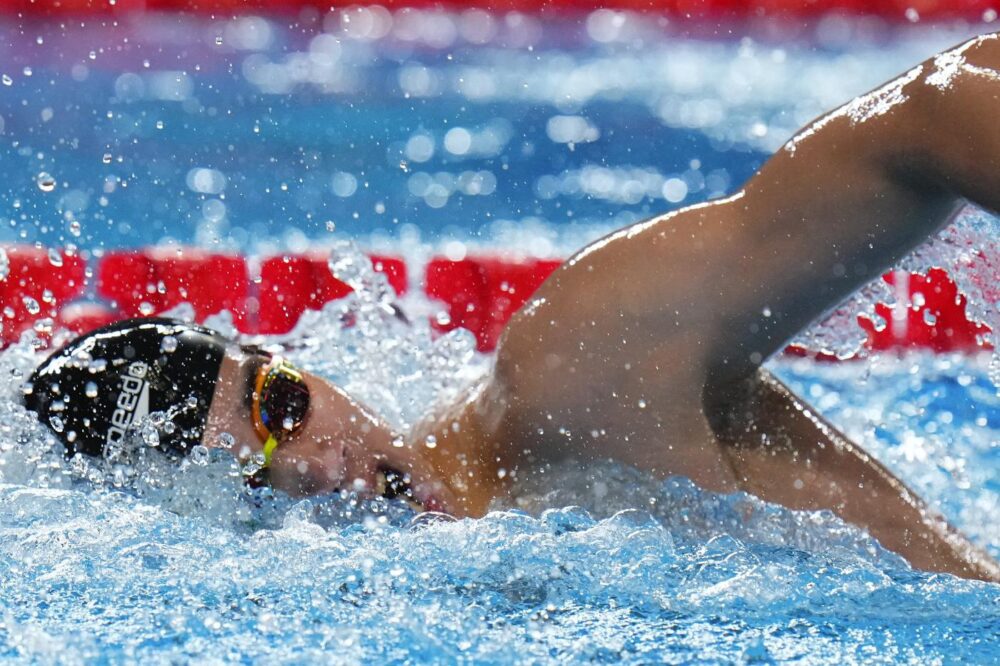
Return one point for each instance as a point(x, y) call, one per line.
point(280, 403)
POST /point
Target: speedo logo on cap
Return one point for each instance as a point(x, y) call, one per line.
point(132, 403)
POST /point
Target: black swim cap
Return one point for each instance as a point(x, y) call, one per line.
point(91, 391)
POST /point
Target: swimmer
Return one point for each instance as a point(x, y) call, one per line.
point(645, 347)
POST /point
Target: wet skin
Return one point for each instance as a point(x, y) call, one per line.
point(646, 346)
point(342, 445)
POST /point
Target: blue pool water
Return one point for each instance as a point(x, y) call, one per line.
point(421, 135)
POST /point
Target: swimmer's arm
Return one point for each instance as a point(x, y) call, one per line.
point(850, 196)
point(783, 452)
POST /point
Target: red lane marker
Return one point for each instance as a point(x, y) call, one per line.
point(35, 287)
point(483, 293)
point(510, 287)
point(462, 286)
point(155, 280)
point(292, 284)
point(480, 293)
point(287, 289)
point(933, 318)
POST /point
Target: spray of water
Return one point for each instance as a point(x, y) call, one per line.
point(968, 248)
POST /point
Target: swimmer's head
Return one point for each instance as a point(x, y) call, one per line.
point(92, 390)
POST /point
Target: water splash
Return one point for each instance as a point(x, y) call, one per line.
point(968, 248)
point(382, 350)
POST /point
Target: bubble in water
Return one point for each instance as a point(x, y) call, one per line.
point(7, 81)
point(106, 158)
point(90, 390)
point(288, 423)
point(74, 228)
point(218, 40)
point(45, 181)
point(55, 258)
point(4, 264)
point(331, 226)
point(398, 441)
point(431, 441)
point(226, 441)
point(168, 345)
point(146, 308)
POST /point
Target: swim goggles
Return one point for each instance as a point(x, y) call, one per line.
point(279, 405)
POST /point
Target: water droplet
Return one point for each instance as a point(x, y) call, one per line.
point(7, 81)
point(75, 228)
point(55, 258)
point(168, 345)
point(90, 390)
point(929, 318)
point(159, 124)
point(150, 436)
point(398, 441)
point(642, 404)
point(46, 183)
point(331, 226)
point(253, 465)
point(431, 441)
point(57, 423)
point(106, 158)
point(146, 308)
point(199, 455)
point(27, 71)
point(226, 441)
point(218, 40)
point(31, 305)
point(288, 423)
point(766, 311)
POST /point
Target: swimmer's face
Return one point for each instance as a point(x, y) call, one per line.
point(340, 446)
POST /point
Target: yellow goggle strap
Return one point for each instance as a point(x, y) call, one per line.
point(269, 446)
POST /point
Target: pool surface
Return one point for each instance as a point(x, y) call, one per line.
point(428, 132)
